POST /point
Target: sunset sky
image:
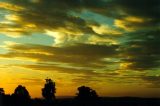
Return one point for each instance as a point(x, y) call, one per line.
point(112, 46)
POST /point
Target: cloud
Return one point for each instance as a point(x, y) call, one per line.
point(9, 6)
point(132, 23)
point(143, 8)
point(56, 16)
point(77, 57)
point(31, 81)
point(138, 18)
point(142, 51)
point(57, 68)
point(106, 30)
point(154, 81)
point(13, 26)
point(133, 15)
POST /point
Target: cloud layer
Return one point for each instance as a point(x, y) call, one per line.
point(128, 39)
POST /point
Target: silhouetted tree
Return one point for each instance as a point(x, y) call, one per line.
point(86, 93)
point(1, 91)
point(21, 91)
point(1, 96)
point(21, 96)
point(49, 90)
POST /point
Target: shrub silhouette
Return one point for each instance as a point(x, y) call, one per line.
point(86, 93)
point(49, 90)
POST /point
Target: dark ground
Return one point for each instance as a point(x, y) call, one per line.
point(105, 101)
point(112, 101)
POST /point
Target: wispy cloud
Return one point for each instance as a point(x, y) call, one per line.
point(82, 55)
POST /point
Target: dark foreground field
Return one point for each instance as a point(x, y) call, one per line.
point(108, 101)
point(105, 101)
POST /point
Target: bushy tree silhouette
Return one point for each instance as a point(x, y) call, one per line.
point(21, 91)
point(86, 93)
point(21, 96)
point(49, 90)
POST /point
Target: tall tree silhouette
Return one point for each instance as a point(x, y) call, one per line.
point(86, 93)
point(49, 90)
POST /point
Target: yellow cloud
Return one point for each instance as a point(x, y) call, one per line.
point(131, 23)
point(30, 25)
point(59, 37)
point(12, 17)
point(123, 24)
point(13, 26)
point(10, 43)
point(134, 19)
point(124, 66)
point(9, 6)
point(12, 32)
point(103, 29)
point(101, 40)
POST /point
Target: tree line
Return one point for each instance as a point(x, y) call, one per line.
point(22, 96)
